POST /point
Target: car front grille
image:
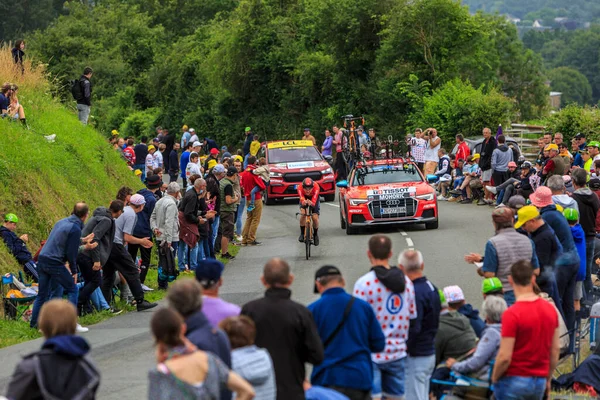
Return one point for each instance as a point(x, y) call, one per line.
point(299, 176)
point(404, 207)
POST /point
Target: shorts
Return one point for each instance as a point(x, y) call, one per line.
point(486, 175)
point(578, 294)
point(316, 208)
point(227, 224)
point(475, 183)
point(388, 379)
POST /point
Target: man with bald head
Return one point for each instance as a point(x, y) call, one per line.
point(286, 329)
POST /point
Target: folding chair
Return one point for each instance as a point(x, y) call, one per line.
point(465, 387)
point(14, 308)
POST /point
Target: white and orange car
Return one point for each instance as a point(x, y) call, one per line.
point(386, 192)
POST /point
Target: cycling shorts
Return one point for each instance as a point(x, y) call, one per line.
point(316, 208)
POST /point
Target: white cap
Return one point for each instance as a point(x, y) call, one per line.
point(196, 144)
point(192, 130)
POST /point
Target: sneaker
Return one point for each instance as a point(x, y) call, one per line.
point(227, 256)
point(482, 202)
point(316, 240)
point(301, 238)
point(239, 238)
point(500, 205)
point(440, 197)
point(456, 191)
point(255, 243)
point(115, 311)
point(81, 329)
point(466, 201)
point(250, 208)
point(243, 244)
point(145, 305)
point(491, 189)
point(146, 288)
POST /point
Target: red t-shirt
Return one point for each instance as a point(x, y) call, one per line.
point(532, 324)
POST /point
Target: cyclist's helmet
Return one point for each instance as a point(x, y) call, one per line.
point(308, 183)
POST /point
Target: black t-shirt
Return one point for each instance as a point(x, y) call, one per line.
point(228, 190)
point(4, 102)
point(141, 151)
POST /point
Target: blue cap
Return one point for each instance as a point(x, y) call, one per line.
point(306, 129)
point(227, 155)
point(209, 272)
point(219, 169)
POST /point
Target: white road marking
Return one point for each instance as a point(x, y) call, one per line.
point(409, 242)
point(403, 233)
point(332, 205)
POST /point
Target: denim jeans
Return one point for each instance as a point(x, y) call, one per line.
point(83, 113)
point(141, 167)
point(509, 297)
point(188, 256)
point(418, 374)
point(590, 245)
point(388, 379)
point(215, 229)
point(238, 220)
point(51, 275)
point(97, 298)
point(520, 388)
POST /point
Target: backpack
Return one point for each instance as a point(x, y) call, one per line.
point(76, 89)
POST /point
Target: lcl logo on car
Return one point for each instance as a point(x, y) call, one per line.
point(392, 202)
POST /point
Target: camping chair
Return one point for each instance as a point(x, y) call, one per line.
point(465, 387)
point(14, 308)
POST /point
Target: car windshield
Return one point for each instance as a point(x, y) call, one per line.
point(293, 154)
point(381, 174)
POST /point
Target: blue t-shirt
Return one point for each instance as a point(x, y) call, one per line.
point(3, 102)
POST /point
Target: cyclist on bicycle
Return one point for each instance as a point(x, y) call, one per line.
point(308, 192)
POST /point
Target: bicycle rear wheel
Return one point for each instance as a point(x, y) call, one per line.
point(307, 244)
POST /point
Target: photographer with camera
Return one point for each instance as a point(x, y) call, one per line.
point(431, 150)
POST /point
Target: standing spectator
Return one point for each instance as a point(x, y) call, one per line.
point(340, 165)
point(246, 148)
point(249, 182)
point(213, 190)
point(84, 95)
point(568, 264)
point(501, 156)
point(61, 247)
point(459, 304)
point(174, 163)
point(572, 217)
point(169, 142)
point(228, 201)
point(209, 144)
point(579, 144)
point(17, 246)
point(350, 333)
point(504, 249)
point(255, 146)
point(184, 372)
point(129, 153)
point(421, 337)
point(189, 224)
point(142, 227)
point(374, 143)
point(185, 297)
point(286, 329)
point(120, 260)
point(462, 151)
point(555, 164)
point(90, 262)
point(164, 223)
point(431, 150)
point(183, 163)
point(308, 136)
point(417, 149)
point(185, 136)
point(525, 366)
point(455, 337)
point(388, 285)
point(159, 156)
point(560, 197)
point(141, 152)
point(210, 276)
point(211, 160)
point(18, 54)
point(194, 137)
point(192, 168)
point(150, 161)
point(250, 362)
point(159, 134)
point(327, 144)
point(488, 146)
point(43, 374)
point(241, 205)
point(588, 210)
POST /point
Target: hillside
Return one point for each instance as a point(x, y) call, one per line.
point(41, 181)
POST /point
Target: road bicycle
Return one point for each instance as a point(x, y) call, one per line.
point(308, 229)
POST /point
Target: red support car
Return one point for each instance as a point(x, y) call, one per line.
point(386, 192)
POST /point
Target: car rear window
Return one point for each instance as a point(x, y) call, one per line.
point(386, 174)
point(293, 154)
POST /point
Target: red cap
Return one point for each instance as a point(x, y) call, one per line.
point(214, 151)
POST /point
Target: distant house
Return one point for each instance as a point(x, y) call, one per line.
point(512, 19)
point(555, 99)
point(537, 24)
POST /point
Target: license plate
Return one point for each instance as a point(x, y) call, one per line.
point(397, 210)
point(295, 187)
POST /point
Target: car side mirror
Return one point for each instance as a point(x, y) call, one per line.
point(342, 184)
point(432, 178)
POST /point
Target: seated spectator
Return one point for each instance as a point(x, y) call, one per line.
point(62, 368)
point(17, 247)
point(478, 365)
point(210, 275)
point(15, 109)
point(471, 186)
point(559, 193)
point(250, 362)
point(455, 337)
point(183, 371)
point(509, 187)
point(456, 302)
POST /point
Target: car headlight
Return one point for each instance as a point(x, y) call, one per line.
point(428, 196)
point(327, 171)
point(275, 174)
point(356, 202)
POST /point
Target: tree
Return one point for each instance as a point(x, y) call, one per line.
point(573, 85)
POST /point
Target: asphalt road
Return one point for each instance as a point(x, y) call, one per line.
point(122, 346)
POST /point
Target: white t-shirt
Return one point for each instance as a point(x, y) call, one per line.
point(158, 159)
point(393, 311)
point(191, 169)
point(432, 154)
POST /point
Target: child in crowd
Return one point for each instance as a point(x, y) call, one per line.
point(572, 217)
point(265, 173)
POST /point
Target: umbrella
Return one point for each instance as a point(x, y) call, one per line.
point(499, 132)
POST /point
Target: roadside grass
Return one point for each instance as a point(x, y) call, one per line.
point(13, 332)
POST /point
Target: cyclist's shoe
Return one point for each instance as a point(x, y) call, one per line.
point(301, 238)
point(250, 208)
point(316, 240)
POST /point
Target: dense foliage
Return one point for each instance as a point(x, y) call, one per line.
point(280, 65)
point(545, 10)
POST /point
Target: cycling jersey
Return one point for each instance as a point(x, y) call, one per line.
point(313, 196)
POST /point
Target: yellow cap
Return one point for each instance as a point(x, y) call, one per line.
point(151, 147)
point(525, 214)
point(137, 172)
point(212, 163)
point(115, 132)
point(185, 127)
point(238, 158)
point(476, 156)
point(551, 146)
